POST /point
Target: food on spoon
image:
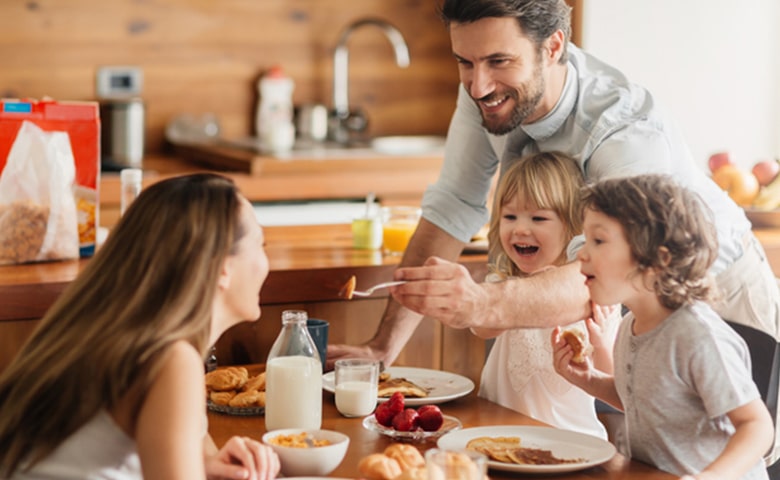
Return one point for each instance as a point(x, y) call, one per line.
point(379, 466)
point(408, 388)
point(579, 343)
point(431, 418)
point(348, 288)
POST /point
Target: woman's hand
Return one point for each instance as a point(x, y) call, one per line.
point(243, 458)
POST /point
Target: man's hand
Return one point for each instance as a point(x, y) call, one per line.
point(442, 290)
point(243, 458)
point(339, 351)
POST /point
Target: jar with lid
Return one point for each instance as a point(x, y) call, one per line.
point(274, 122)
point(130, 179)
point(293, 377)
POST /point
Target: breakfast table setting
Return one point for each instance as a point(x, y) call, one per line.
point(466, 416)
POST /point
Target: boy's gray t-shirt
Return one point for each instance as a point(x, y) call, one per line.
point(677, 383)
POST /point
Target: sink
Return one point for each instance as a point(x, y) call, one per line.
point(385, 145)
point(407, 144)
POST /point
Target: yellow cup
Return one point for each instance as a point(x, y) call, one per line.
point(398, 225)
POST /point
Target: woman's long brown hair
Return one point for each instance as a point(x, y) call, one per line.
point(151, 284)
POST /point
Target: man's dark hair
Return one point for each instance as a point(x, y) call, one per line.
point(538, 19)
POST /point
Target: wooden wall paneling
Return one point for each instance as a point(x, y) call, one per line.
point(201, 56)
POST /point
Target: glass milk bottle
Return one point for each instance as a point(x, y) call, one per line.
point(293, 397)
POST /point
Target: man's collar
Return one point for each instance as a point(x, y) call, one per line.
point(546, 126)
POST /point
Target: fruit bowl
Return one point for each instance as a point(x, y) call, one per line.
point(763, 218)
point(450, 424)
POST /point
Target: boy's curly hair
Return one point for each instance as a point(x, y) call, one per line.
point(668, 228)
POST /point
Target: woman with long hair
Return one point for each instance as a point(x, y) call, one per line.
point(110, 385)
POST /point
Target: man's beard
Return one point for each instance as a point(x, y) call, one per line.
point(531, 93)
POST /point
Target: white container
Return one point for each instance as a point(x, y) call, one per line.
point(355, 399)
point(356, 386)
point(131, 181)
point(274, 123)
point(293, 397)
point(293, 393)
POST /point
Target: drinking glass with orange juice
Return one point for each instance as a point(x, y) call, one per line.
point(398, 225)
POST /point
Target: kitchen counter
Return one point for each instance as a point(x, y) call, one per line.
point(307, 263)
point(393, 178)
point(308, 267)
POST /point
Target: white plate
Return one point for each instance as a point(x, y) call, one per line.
point(442, 386)
point(563, 444)
point(450, 424)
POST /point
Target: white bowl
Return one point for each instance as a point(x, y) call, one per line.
point(312, 461)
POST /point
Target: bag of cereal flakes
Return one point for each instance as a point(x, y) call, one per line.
point(38, 219)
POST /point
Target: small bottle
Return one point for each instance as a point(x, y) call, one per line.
point(274, 123)
point(293, 376)
point(131, 187)
point(211, 360)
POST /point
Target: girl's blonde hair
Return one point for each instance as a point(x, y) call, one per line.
point(151, 284)
point(548, 180)
point(669, 230)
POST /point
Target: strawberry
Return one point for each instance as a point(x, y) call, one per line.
point(431, 418)
point(406, 420)
point(396, 403)
point(384, 415)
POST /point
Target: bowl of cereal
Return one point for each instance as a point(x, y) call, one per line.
point(307, 452)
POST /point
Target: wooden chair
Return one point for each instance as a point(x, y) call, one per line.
point(765, 360)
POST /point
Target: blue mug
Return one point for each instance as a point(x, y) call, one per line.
point(318, 329)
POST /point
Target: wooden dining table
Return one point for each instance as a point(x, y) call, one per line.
point(471, 410)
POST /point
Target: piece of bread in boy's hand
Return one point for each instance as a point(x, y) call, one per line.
point(579, 343)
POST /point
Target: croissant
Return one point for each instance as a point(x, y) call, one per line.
point(378, 466)
point(416, 473)
point(407, 456)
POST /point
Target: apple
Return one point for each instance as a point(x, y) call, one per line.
point(719, 159)
point(741, 185)
point(766, 171)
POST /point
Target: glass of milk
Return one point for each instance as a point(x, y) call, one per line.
point(356, 386)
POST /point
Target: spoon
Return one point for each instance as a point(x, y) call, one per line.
point(348, 290)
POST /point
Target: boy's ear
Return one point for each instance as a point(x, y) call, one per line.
point(664, 255)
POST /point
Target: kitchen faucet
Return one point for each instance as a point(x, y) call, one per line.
point(343, 121)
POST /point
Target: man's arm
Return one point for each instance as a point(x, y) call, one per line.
point(399, 323)
point(445, 291)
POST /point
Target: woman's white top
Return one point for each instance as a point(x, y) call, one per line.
point(99, 450)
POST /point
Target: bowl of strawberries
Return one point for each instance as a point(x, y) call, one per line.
point(395, 420)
